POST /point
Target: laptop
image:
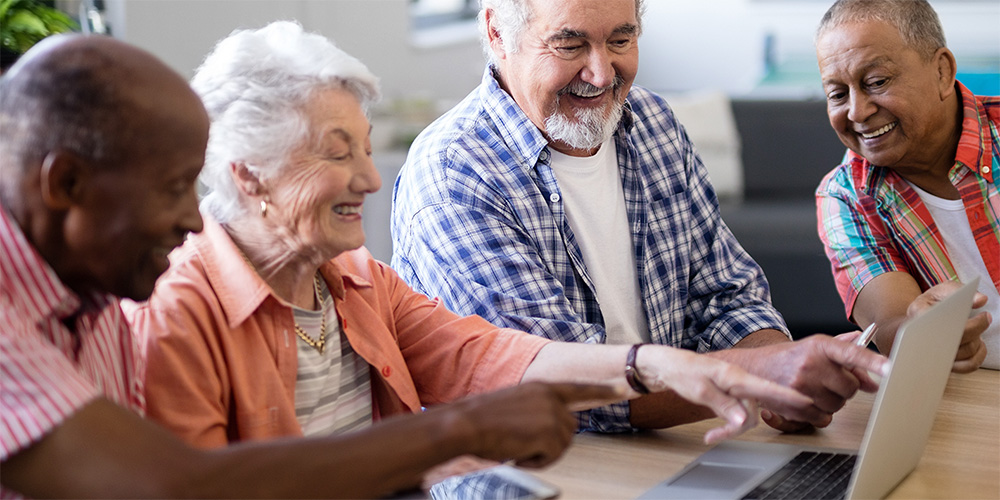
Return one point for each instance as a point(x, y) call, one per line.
point(898, 427)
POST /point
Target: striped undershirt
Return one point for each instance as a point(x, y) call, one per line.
point(332, 390)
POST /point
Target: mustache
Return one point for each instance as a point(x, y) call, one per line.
point(586, 89)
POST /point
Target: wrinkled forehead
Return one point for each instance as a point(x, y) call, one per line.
point(584, 18)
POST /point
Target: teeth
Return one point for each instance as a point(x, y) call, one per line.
point(880, 131)
point(347, 210)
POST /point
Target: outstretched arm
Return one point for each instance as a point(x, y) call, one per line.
point(105, 451)
point(693, 386)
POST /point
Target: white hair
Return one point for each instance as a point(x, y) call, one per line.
point(255, 85)
point(511, 18)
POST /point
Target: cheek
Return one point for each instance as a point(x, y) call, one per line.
point(310, 192)
point(838, 117)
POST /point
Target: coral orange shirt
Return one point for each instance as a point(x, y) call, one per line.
point(221, 348)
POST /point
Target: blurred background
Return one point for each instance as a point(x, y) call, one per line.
point(740, 74)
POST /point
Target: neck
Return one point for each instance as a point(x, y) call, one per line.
point(287, 271)
point(933, 176)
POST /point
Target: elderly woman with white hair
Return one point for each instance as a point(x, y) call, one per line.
point(275, 321)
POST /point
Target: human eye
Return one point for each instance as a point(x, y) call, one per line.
point(568, 48)
point(178, 188)
point(877, 83)
point(835, 95)
point(621, 45)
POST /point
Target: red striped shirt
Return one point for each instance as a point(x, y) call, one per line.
point(50, 370)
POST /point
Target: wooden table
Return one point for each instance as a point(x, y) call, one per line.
point(961, 460)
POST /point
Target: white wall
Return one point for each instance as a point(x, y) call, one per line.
point(377, 32)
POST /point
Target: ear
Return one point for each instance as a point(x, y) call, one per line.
point(944, 62)
point(63, 179)
point(496, 43)
point(247, 182)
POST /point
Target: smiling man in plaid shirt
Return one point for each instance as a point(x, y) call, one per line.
point(560, 200)
point(916, 204)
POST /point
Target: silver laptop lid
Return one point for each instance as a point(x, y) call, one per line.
point(907, 399)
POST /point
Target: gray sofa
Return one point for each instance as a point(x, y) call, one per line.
point(787, 148)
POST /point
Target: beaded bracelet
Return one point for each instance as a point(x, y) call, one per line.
point(632, 373)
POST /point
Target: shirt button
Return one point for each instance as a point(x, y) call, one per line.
point(544, 155)
point(986, 170)
point(554, 197)
point(386, 371)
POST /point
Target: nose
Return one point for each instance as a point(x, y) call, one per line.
point(368, 179)
point(191, 220)
point(599, 70)
point(861, 107)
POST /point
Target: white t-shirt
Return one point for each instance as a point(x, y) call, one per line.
point(594, 202)
point(949, 215)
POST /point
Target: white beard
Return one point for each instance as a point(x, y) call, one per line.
point(591, 128)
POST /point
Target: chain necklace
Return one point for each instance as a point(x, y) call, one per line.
point(320, 344)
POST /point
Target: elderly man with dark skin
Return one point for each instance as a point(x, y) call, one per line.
point(100, 146)
point(916, 206)
point(560, 199)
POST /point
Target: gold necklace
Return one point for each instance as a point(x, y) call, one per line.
point(320, 344)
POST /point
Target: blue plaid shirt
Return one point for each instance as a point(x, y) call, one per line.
point(478, 220)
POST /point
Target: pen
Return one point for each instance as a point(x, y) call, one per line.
point(867, 335)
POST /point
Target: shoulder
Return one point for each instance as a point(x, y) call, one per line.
point(648, 107)
point(652, 122)
point(845, 178)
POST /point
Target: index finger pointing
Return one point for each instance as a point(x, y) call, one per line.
point(852, 357)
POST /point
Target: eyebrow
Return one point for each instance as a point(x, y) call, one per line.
point(874, 63)
point(567, 33)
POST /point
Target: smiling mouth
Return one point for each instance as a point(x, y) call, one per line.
point(584, 90)
point(347, 210)
point(882, 131)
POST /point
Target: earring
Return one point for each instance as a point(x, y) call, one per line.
point(263, 208)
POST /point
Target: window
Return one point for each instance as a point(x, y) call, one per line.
point(434, 13)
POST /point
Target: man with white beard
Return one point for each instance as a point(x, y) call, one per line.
point(558, 199)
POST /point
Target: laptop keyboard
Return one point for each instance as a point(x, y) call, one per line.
point(809, 475)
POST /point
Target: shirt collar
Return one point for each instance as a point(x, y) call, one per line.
point(975, 149)
point(238, 287)
point(520, 133)
point(53, 297)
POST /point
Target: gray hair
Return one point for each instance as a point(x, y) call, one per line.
point(511, 18)
point(916, 20)
point(255, 85)
point(62, 101)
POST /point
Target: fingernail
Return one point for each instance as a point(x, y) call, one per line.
point(766, 414)
point(738, 417)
